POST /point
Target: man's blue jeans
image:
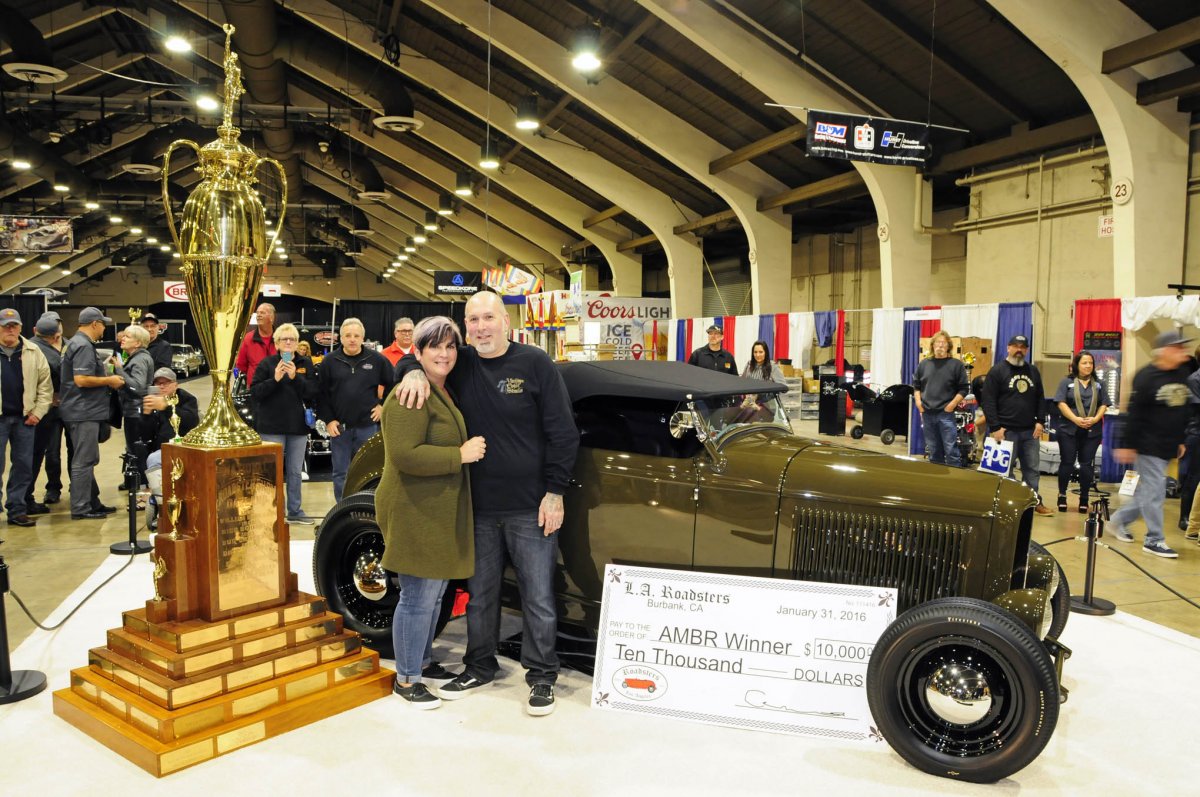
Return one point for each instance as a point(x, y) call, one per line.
point(941, 437)
point(14, 433)
point(1027, 449)
point(534, 557)
point(1147, 499)
point(414, 625)
point(341, 451)
point(294, 448)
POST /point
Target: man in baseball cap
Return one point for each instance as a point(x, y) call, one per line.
point(85, 411)
point(25, 395)
point(48, 434)
point(1155, 421)
point(1014, 405)
point(158, 348)
point(714, 356)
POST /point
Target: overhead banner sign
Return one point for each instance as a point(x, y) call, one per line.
point(511, 281)
point(457, 283)
point(272, 290)
point(762, 654)
point(174, 291)
point(867, 138)
point(48, 234)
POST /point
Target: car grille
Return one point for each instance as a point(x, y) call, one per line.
point(922, 560)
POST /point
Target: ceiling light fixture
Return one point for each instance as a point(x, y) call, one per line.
point(527, 113)
point(487, 156)
point(91, 203)
point(402, 258)
point(135, 230)
point(410, 245)
point(44, 266)
point(20, 260)
point(419, 236)
point(177, 44)
point(65, 271)
point(587, 49)
point(445, 205)
point(462, 184)
point(60, 184)
point(115, 219)
point(206, 96)
point(152, 240)
point(21, 162)
point(164, 248)
point(431, 221)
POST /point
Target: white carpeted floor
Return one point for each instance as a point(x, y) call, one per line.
point(1128, 728)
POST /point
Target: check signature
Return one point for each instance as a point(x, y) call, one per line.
point(758, 699)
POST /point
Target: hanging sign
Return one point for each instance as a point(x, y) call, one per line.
point(456, 283)
point(272, 290)
point(174, 291)
point(511, 281)
point(867, 138)
point(36, 234)
point(1104, 226)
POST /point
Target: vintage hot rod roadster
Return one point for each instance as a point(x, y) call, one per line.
point(682, 468)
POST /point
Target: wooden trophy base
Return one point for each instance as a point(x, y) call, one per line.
point(229, 652)
point(167, 696)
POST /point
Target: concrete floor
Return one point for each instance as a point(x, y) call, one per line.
point(48, 562)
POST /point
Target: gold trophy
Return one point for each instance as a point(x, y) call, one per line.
point(229, 651)
point(223, 244)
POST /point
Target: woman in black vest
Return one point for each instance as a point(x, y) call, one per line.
point(1082, 401)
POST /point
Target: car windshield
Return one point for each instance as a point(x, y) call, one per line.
point(724, 414)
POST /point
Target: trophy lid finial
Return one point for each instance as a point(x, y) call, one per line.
point(233, 80)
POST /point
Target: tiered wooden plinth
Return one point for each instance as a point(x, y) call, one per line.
point(228, 652)
point(167, 696)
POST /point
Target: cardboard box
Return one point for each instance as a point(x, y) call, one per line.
point(981, 348)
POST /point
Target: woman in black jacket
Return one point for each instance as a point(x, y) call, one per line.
point(138, 370)
point(282, 383)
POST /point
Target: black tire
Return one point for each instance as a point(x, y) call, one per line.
point(1019, 718)
point(856, 432)
point(887, 436)
point(1060, 601)
point(347, 532)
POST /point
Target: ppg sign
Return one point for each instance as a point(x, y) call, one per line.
point(996, 457)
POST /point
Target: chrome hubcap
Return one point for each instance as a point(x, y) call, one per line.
point(370, 579)
point(959, 694)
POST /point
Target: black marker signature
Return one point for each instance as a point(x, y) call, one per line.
point(757, 699)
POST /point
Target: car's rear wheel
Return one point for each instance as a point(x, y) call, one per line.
point(962, 689)
point(1060, 601)
point(349, 546)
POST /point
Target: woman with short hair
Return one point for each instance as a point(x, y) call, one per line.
point(423, 505)
point(138, 371)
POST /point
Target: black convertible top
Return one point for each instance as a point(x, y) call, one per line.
point(656, 380)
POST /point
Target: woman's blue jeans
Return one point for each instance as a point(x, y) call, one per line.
point(414, 625)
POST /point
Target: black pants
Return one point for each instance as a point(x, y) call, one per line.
point(1191, 478)
point(47, 447)
point(1081, 446)
point(134, 444)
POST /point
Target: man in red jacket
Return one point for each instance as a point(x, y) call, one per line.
point(258, 343)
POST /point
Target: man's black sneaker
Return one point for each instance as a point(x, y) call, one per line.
point(460, 687)
point(89, 515)
point(108, 510)
point(436, 672)
point(52, 498)
point(541, 700)
point(37, 509)
point(418, 696)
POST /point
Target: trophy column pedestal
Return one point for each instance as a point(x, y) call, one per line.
point(228, 652)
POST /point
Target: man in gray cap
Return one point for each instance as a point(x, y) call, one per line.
point(48, 434)
point(84, 408)
point(159, 348)
point(714, 356)
point(25, 393)
point(1151, 434)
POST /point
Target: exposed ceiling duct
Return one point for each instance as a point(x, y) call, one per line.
point(145, 157)
point(30, 60)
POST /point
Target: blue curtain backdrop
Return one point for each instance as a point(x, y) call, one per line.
point(766, 332)
point(826, 327)
point(681, 341)
point(908, 366)
point(1016, 318)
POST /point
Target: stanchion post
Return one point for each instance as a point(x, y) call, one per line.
point(1093, 530)
point(14, 686)
point(133, 480)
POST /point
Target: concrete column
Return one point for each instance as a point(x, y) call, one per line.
point(1147, 145)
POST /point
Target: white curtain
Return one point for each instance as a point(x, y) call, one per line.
point(887, 347)
point(746, 332)
point(802, 328)
point(673, 339)
point(1135, 313)
point(972, 321)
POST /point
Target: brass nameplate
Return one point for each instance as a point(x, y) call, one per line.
point(259, 672)
point(259, 622)
point(255, 702)
point(205, 661)
point(241, 737)
point(143, 720)
point(248, 552)
point(183, 695)
point(200, 720)
point(256, 646)
point(333, 651)
point(152, 690)
point(296, 661)
point(355, 670)
point(306, 686)
point(186, 756)
point(85, 688)
point(294, 614)
point(204, 636)
point(113, 704)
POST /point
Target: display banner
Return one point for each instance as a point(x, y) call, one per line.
point(757, 653)
point(174, 291)
point(629, 323)
point(867, 138)
point(272, 290)
point(511, 281)
point(457, 283)
point(49, 234)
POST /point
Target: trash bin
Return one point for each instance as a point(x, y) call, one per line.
point(885, 414)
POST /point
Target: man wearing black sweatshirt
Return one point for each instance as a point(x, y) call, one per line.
point(511, 395)
point(351, 383)
point(1014, 405)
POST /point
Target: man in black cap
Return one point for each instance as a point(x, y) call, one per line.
point(25, 393)
point(714, 356)
point(48, 434)
point(159, 348)
point(85, 411)
point(1151, 434)
point(1014, 404)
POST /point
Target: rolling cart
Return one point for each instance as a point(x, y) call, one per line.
point(884, 414)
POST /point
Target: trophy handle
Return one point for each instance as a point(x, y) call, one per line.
point(282, 198)
point(166, 174)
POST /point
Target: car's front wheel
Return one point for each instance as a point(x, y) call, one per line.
point(347, 571)
point(963, 689)
point(1060, 601)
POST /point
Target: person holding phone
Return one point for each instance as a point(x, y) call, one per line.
point(283, 382)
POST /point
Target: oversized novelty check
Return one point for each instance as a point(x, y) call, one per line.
point(756, 653)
